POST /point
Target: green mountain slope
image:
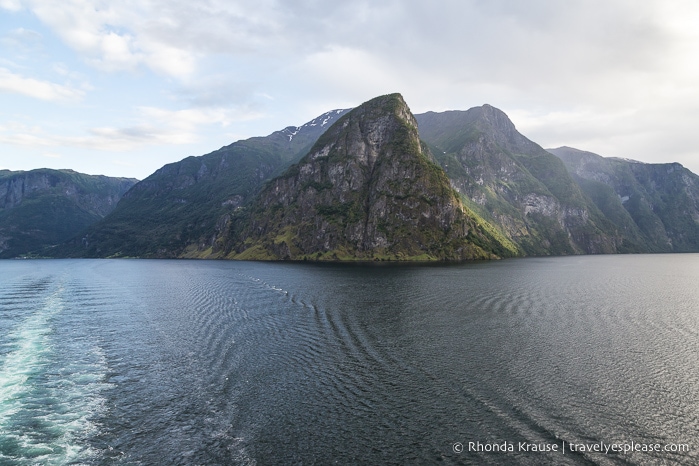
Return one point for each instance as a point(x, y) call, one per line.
point(182, 207)
point(655, 205)
point(367, 190)
point(41, 208)
point(515, 184)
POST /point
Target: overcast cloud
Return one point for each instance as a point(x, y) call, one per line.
point(121, 88)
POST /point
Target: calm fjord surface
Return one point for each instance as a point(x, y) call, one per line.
point(192, 362)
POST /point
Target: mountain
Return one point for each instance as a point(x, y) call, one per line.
point(656, 206)
point(41, 208)
point(378, 183)
point(183, 206)
point(367, 190)
point(515, 184)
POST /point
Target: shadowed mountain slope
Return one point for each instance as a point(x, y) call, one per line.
point(515, 184)
point(44, 207)
point(656, 206)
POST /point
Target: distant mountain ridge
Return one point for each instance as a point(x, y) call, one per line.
point(656, 206)
point(44, 207)
point(378, 183)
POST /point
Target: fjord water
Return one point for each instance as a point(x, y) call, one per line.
point(199, 362)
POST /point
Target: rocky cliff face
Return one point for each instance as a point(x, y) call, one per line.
point(41, 208)
point(655, 205)
point(182, 208)
point(368, 189)
point(98, 195)
point(515, 184)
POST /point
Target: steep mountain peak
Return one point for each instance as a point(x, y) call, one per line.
point(452, 129)
point(494, 116)
point(366, 190)
point(494, 124)
point(494, 166)
point(365, 131)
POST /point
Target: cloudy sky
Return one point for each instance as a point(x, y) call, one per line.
point(123, 87)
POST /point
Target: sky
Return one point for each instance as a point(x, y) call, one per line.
point(121, 88)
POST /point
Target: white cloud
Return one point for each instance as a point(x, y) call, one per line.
point(336, 68)
point(11, 5)
point(107, 36)
point(130, 34)
point(21, 38)
point(43, 90)
point(613, 74)
point(153, 126)
point(116, 52)
point(174, 36)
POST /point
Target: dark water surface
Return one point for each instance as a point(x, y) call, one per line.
point(198, 362)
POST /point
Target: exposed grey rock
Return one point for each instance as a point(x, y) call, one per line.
point(368, 189)
point(515, 184)
point(655, 205)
